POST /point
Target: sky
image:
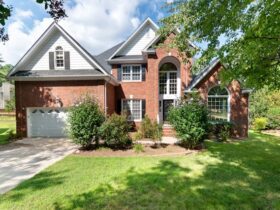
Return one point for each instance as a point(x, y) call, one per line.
point(96, 24)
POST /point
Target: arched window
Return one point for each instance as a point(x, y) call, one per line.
point(168, 79)
point(218, 103)
point(59, 57)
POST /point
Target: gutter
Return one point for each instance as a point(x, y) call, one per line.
point(108, 78)
point(123, 61)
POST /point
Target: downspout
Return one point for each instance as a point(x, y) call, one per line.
point(105, 96)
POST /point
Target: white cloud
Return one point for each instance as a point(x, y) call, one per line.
point(97, 25)
point(23, 13)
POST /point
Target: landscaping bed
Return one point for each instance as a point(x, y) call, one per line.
point(233, 175)
point(148, 150)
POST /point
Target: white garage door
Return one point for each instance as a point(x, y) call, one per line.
point(46, 122)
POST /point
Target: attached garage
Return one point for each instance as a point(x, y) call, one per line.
point(46, 122)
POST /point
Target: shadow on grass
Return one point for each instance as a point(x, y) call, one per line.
point(43, 180)
point(246, 176)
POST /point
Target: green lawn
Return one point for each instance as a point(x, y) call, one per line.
point(239, 175)
point(7, 124)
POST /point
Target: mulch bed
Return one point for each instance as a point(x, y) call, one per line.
point(149, 150)
point(272, 132)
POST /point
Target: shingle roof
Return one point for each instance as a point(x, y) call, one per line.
point(51, 73)
point(203, 73)
point(104, 56)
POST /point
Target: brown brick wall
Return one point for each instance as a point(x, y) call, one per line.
point(43, 94)
point(148, 89)
point(238, 102)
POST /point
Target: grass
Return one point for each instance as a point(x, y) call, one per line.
point(235, 175)
point(7, 125)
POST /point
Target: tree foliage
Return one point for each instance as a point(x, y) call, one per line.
point(4, 70)
point(243, 34)
point(53, 7)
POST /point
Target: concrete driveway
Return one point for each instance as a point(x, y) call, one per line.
point(23, 159)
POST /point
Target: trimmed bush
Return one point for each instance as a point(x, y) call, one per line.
point(85, 119)
point(220, 129)
point(149, 129)
point(115, 132)
point(260, 124)
point(189, 120)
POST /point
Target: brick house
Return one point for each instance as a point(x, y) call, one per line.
point(132, 76)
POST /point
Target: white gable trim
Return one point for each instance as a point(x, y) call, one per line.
point(148, 20)
point(70, 38)
point(156, 39)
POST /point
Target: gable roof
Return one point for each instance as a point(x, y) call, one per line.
point(148, 20)
point(157, 38)
point(104, 56)
point(44, 36)
point(202, 74)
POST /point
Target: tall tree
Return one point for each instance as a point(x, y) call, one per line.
point(244, 34)
point(53, 7)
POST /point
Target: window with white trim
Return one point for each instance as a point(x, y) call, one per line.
point(131, 73)
point(168, 81)
point(59, 57)
point(132, 108)
point(218, 103)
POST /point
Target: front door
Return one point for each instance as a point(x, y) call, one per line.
point(166, 106)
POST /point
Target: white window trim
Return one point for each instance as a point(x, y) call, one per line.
point(131, 72)
point(222, 96)
point(55, 58)
point(167, 94)
point(135, 120)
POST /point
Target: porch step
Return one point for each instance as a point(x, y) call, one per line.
point(167, 130)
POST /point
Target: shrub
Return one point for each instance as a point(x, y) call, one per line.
point(115, 131)
point(265, 103)
point(138, 148)
point(221, 129)
point(85, 119)
point(149, 129)
point(189, 120)
point(260, 123)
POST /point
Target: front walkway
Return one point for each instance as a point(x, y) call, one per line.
point(23, 159)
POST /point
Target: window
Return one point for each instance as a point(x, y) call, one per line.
point(133, 108)
point(163, 83)
point(59, 57)
point(168, 79)
point(131, 73)
point(218, 103)
point(173, 83)
point(168, 83)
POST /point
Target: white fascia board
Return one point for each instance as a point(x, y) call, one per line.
point(30, 50)
point(43, 37)
point(148, 20)
point(81, 49)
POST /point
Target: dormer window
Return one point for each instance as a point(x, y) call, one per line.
point(59, 57)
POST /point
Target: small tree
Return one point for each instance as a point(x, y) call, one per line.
point(189, 120)
point(85, 119)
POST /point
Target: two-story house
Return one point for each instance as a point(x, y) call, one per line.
point(133, 76)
